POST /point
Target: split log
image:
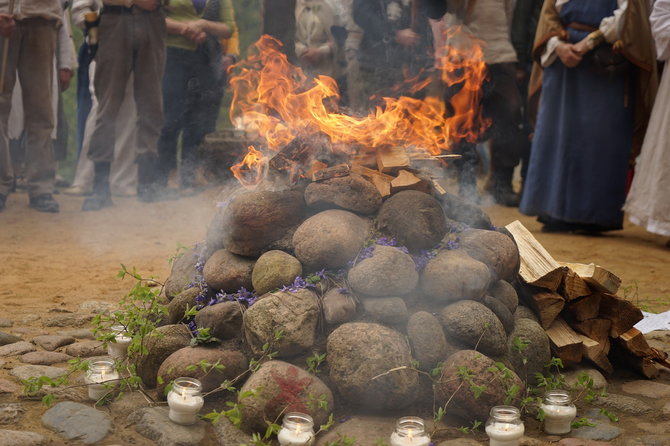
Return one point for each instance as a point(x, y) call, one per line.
point(645, 366)
point(407, 180)
point(538, 267)
point(596, 352)
point(366, 159)
point(584, 308)
point(380, 180)
point(623, 314)
point(596, 276)
point(565, 342)
point(293, 156)
point(341, 170)
point(634, 342)
point(596, 329)
point(546, 304)
point(573, 286)
point(391, 159)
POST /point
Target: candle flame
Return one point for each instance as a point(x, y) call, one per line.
point(410, 434)
point(297, 430)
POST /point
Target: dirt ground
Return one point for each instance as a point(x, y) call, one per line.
point(50, 261)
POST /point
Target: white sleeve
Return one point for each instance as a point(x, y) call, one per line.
point(549, 55)
point(660, 28)
point(79, 10)
point(611, 26)
point(66, 56)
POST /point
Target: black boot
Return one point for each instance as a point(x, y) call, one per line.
point(149, 189)
point(503, 192)
point(102, 196)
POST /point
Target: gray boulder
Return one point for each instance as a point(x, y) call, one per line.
point(295, 314)
point(496, 250)
point(464, 211)
point(44, 358)
point(6, 338)
point(182, 274)
point(160, 344)
point(254, 220)
point(505, 293)
point(180, 303)
point(386, 310)
point(501, 311)
point(86, 349)
point(330, 239)
point(228, 272)
point(358, 353)
point(180, 364)
point(415, 219)
point(280, 388)
point(21, 438)
point(339, 306)
point(472, 324)
point(484, 373)
point(536, 354)
point(154, 424)
point(453, 275)
point(523, 312)
point(273, 270)
point(75, 421)
point(388, 272)
point(352, 193)
point(52, 342)
point(224, 320)
point(427, 339)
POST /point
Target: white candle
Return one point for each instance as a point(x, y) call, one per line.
point(410, 431)
point(558, 419)
point(504, 434)
point(185, 401)
point(101, 378)
point(118, 348)
point(297, 430)
point(409, 440)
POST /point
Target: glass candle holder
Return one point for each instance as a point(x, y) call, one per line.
point(410, 431)
point(185, 400)
point(504, 427)
point(118, 348)
point(101, 378)
point(559, 412)
point(297, 430)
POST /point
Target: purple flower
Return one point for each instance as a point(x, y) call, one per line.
point(387, 241)
point(194, 328)
point(453, 244)
point(343, 290)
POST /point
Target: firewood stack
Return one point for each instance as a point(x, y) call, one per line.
point(578, 307)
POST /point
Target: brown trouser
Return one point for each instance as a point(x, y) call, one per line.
point(131, 41)
point(31, 55)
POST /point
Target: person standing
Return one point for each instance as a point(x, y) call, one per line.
point(132, 37)
point(30, 55)
point(647, 203)
point(598, 85)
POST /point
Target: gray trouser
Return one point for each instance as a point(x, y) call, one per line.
point(31, 55)
point(130, 42)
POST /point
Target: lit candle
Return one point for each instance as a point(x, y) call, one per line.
point(101, 378)
point(297, 430)
point(504, 427)
point(118, 348)
point(185, 400)
point(410, 431)
point(559, 412)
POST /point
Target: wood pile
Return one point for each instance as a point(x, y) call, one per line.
point(578, 307)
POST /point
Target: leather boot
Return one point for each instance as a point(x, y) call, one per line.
point(503, 192)
point(102, 195)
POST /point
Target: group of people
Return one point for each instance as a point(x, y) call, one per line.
point(569, 93)
point(149, 75)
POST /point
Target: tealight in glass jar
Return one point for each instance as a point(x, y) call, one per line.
point(504, 427)
point(185, 400)
point(410, 431)
point(118, 348)
point(101, 378)
point(559, 412)
point(297, 430)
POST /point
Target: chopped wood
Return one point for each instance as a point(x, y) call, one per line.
point(584, 308)
point(565, 342)
point(645, 366)
point(596, 329)
point(390, 159)
point(573, 286)
point(635, 343)
point(660, 357)
point(367, 159)
point(623, 314)
point(437, 188)
point(538, 267)
point(380, 180)
point(596, 276)
point(546, 304)
point(341, 170)
point(597, 352)
point(407, 180)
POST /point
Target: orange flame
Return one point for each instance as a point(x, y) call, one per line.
point(251, 170)
point(277, 102)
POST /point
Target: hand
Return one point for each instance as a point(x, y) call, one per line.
point(64, 78)
point(311, 56)
point(568, 55)
point(147, 5)
point(583, 46)
point(192, 33)
point(227, 61)
point(407, 38)
point(7, 25)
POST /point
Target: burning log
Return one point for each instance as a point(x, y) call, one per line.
point(392, 159)
point(408, 181)
point(341, 170)
point(381, 181)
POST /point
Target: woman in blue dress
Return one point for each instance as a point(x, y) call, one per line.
point(598, 83)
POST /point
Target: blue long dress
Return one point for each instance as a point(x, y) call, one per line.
point(583, 138)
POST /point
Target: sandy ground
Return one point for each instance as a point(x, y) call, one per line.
point(60, 260)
